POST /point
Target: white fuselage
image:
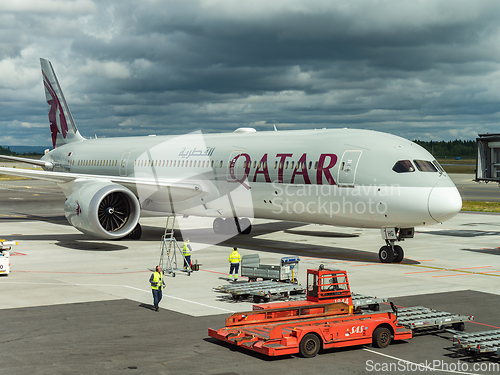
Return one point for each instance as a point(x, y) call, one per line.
point(340, 177)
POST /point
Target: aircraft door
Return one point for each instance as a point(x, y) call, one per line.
point(347, 168)
point(64, 162)
point(123, 163)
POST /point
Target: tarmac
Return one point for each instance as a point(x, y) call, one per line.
point(73, 304)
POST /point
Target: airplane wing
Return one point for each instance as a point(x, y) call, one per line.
point(183, 186)
point(40, 163)
point(57, 177)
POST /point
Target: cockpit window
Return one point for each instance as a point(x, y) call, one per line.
point(438, 166)
point(425, 166)
point(403, 166)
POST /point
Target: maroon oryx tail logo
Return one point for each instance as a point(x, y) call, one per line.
point(57, 119)
point(78, 209)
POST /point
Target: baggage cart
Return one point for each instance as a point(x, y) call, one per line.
point(286, 271)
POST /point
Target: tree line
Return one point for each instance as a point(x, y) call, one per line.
point(450, 149)
point(8, 151)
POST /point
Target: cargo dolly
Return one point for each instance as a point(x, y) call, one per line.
point(418, 317)
point(264, 291)
point(487, 342)
point(359, 301)
point(261, 290)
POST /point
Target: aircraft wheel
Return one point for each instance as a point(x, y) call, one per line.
point(230, 227)
point(381, 337)
point(309, 345)
point(398, 254)
point(245, 223)
point(460, 326)
point(136, 233)
point(385, 254)
point(218, 225)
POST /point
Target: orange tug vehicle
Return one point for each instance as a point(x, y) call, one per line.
point(327, 319)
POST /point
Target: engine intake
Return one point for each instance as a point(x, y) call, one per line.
point(103, 209)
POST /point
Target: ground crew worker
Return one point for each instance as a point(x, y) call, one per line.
point(234, 261)
point(186, 251)
point(157, 284)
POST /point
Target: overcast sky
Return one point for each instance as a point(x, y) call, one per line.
point(418, 69)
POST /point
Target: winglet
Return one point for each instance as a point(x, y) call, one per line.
point(62, 125)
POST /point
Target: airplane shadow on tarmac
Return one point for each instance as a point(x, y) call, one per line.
point(90, 246)
point(489, 251)
point(83, 242)
point(291, 247)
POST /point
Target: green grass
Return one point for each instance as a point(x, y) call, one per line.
point(4, 177)
point(459, 166)
point(454, 161)
point(481, 206)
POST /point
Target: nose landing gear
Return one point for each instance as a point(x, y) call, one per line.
point(391, 253)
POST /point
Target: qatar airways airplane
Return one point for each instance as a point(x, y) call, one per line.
point(341, 177)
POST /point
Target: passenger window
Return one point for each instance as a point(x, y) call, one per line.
point(425, 166)
point(403, 166)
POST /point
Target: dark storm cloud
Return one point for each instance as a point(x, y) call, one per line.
point(426, 69)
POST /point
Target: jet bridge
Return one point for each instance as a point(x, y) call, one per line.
point(488, 158)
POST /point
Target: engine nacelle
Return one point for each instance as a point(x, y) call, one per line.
point(103, 209)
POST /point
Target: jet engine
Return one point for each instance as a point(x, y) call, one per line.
point(102, 209)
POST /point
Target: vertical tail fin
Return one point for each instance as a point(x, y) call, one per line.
point(62, 126)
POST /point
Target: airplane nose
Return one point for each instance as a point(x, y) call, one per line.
point(444, 201)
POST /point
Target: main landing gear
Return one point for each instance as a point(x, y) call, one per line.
point(232, 226)
point(135, 234)
point(391, 253)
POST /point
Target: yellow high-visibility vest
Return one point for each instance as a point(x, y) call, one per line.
point(185, 249)
point(157, 281)
point(234, 257)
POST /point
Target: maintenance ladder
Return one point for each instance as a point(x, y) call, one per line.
point(169, 249)
point(479, 342)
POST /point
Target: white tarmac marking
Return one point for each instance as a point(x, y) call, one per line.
point(427, 368)
point(125, 286)
point(181, 299)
